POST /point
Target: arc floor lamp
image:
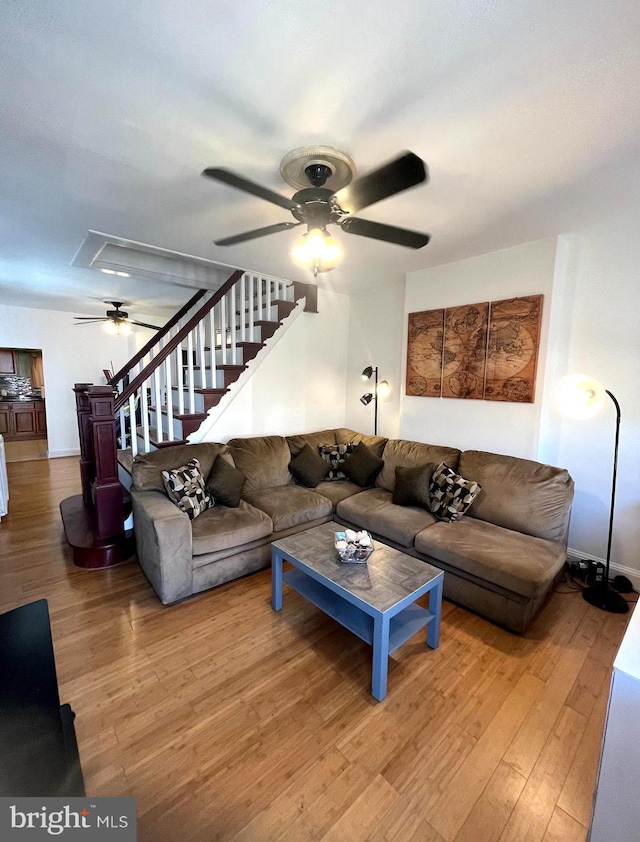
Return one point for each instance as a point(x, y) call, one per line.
point(381, 388)
point(582, 397)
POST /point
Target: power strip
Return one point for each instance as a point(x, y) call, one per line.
point(588, 571)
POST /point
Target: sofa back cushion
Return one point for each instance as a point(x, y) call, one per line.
point(375, 443)
point(146, 473)
point(520, 494)
point(400, 452)
point(264, 460)
point(314, 440)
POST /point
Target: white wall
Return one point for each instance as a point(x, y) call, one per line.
point(70, 354)
point(299, 387)
point(375, 339)
point(477, 424)
point(595, 330)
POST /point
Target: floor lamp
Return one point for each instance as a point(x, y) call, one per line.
point(382, 388)
point(583, 397)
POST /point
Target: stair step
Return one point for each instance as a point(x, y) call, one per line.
point(155, 441)
point(267, 328)
point(249, 349)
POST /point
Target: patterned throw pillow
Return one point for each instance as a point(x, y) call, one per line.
point(335, 454)
point(451, 495)
point(185, 487)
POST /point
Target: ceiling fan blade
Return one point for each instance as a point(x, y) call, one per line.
point(240, 183)
point(90, 318)
point(143, 324)
point(257, 232)
point(399, 174)
point(388, 233)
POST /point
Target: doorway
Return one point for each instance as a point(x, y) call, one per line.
point(23, 420)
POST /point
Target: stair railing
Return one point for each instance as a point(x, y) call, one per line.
point(193, 360)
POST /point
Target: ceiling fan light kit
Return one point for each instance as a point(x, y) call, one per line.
point(330, 200)
point(318, 250)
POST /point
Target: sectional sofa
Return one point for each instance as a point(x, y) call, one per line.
point(501, 559)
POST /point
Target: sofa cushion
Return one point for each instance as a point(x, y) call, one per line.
point(410, 453)
point(337, 491)
point(147, 468)
point(308, 467)
point(374, 443)
point(223, 527)
point(296, 443)
point(412, 485)
point(225, 483)
point(185, 488)
point(362, 466)
point(334, 455)
point(520, 494)
point(520, 563)
point(373, 510)
point(450, 494)
point(290, 505)
point(264, 460)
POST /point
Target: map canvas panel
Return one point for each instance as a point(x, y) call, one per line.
point(424, 353)
point(512, 349)
point(465, 349)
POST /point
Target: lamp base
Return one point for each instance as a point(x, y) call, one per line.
point(603, 597)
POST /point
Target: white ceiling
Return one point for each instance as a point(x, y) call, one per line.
point(526, 111)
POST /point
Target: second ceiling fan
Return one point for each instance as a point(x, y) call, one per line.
point(327, 197)
point(117, 320)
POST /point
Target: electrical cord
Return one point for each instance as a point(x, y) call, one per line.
point(575, 585)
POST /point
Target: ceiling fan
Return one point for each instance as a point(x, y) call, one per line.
point(117, 320)
point(326, 196)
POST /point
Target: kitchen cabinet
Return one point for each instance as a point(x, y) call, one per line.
point(7, 361)
point(23, 420)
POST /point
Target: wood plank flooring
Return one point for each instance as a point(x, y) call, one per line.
point(229, 722)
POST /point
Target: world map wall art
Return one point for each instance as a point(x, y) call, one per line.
point(483, 351)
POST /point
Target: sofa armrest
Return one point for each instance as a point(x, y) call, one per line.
point(163, 543)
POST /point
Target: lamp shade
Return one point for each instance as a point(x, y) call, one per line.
point(384, 389)
point(580, 396)
point(366, 399)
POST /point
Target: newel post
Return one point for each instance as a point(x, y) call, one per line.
point(107, 490)
point(87, 463)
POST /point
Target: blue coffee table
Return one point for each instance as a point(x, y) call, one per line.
point(376, 601)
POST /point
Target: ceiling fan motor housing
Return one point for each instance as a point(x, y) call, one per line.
point(314, 207)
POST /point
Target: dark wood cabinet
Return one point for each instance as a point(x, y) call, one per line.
point(5, 419)
point(41, 419)
point(7, 361)
point(23, 420)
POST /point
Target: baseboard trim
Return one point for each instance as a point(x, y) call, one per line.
point(55, 454)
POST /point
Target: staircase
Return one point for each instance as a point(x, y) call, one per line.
point(165, 392)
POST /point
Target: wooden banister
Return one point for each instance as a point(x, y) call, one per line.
point(184, 331)
point(156, 338)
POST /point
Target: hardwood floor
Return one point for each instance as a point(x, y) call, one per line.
point(229, 722)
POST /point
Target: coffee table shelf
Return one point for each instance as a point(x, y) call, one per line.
point(402, 626)
point(376, 601)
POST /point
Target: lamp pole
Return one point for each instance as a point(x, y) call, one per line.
point(375, 407)
point(615, 471)
point(601, 594)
